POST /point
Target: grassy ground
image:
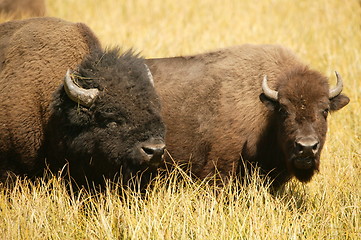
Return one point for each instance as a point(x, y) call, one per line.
point(325, 33)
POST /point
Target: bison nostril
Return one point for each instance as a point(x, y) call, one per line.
point(299, 147)
point(148, 151)
point(154, 152)
point(307, 146)
point(315, 147)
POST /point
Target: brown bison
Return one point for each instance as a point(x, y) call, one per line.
point(250, 105)
point(103, 119)
point(23, 8)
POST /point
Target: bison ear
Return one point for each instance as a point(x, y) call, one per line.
point(338, 102)
point(271, 105)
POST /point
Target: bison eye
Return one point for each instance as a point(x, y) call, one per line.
point(112, 125)
point(284, 113)
point(325, 112)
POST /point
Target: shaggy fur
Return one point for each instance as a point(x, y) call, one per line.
point(211, 104)
point(23, 8)
point(39, 122)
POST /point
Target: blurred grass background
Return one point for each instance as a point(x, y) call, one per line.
point(326, 34)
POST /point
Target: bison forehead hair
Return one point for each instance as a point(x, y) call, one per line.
point(104, 69)
point(125, 114)
point(302, 93)
point(302, 84)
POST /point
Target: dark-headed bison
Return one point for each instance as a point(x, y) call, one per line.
point(245, 106)
point(103, 119)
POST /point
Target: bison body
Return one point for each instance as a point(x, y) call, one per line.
point(104, 120)
point(220, 119)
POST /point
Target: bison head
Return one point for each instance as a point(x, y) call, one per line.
point(301, 105)
point(108, 114)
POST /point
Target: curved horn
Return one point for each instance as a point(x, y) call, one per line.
point(149, 74)
point(334, 92)
point(271, 94)
point(80, 95)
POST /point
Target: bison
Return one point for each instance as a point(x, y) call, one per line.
point(63, 99)
point(23, 8)
point(230, 110)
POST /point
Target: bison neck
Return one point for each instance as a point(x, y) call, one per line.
point(268, 157)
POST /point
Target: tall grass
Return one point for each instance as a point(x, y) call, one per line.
point(325, 33)
point(178, 209)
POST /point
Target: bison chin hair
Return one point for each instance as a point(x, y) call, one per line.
point(304, 175)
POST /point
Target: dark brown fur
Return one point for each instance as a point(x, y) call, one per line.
point(23, 8)
point(216, 120)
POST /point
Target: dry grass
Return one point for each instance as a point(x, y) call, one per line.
point(325, 33)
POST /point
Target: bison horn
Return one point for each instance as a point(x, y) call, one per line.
point(334, 92)
point(149, 74)
point(80, 95)
point(271, 94)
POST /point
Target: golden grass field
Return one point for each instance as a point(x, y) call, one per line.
point(326, 34)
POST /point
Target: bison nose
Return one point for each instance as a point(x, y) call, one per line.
point(307, 146)
point(153, 152)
